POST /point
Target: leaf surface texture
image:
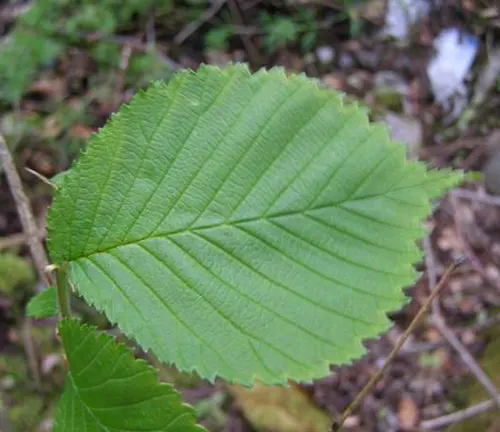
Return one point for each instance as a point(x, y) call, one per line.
point(244, 225)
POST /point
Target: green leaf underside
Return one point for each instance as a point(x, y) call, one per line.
point(44, 304)
point(107, 390)
point(57, 179)
point(245, 226)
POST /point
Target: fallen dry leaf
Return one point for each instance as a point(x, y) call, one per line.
point(280, 409)
point(54, 88)
point(335, 81)
point(81, 131)
point(449, 241)
point(408, 413)
point(51, 128)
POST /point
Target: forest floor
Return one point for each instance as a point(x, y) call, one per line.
point(48, 113)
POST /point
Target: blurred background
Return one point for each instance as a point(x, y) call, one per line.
point(429, 69)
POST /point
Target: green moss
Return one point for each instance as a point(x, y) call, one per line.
point(26, 415)
point(15, 273)
point(475, 393)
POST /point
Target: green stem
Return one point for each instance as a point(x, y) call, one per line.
point(63, 291)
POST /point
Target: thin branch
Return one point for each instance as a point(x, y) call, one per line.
point(422, 347)
point(415, 322)
point(466, 357)
point(474, 260)
point(190, 28)
point(458, 416)
point(30, 351)
point(170, 63)
point(40, 177)
point(25, 215)
point(439, 323)
point(32, 237)
point(341, 8)
point(5, 425)
point(93, 38)
point(135, 45)
point(476, 196)
point(249, 4)
point(244, 30)
point(253, 54)
point(126, 52)
point(150, 30)
point(12, 241)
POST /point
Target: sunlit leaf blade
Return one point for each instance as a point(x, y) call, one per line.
point(44, 304)
point(107, 390)
point(244, 225)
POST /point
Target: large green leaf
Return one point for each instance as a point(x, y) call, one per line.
point(107, 390)
point(244, 225)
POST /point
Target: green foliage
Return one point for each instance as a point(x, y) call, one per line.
point(20, 57)
point(14, 273)
point(44, 304)
point(27, 413)
point(218, 37)
point(144, 68)
point(46, 30)
point(245, 226)
point(108, 390)
point(281, 30)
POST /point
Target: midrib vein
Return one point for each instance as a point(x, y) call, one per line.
point(227, 223)
point(203, 228)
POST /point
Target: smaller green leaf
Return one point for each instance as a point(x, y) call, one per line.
point(43, 305)
point(107, 390)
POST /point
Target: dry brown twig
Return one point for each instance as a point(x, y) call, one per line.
point(457, 416)
point(451, 338)
point(190, 28)
point(135, 45)
point(30, 350)
point(397, 347)
point(12, 241)
point(40, 177)
point(253, 54)
point(32, 238)
point(126, 52)
point(25, 215)
point(469, 253)
point(465, 355)
point(477, 196)
point(131, 41)
point(5, 425)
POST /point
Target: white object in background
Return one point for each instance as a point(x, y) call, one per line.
point(407, 130)
point(402, 14)
point(455, 53)
point(325, 54)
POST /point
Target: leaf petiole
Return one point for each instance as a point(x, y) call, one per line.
point(63, 291)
